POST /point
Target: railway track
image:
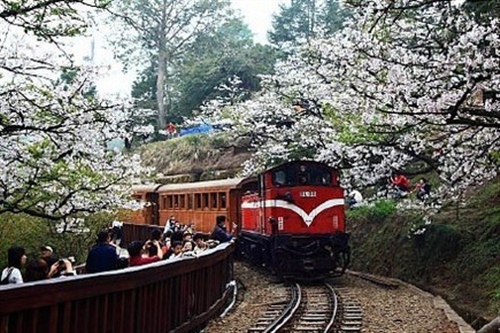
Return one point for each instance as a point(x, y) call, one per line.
point(279, 313)
point(311, 309)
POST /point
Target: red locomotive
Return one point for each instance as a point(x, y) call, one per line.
point(293, 221)
point(290, 218)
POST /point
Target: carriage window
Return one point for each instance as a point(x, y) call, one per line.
point(222, 200)
point(170, 201)
point(213, 200)
point(163, 202)
point(182, 201)
point(190, 201)
point(205, 201)
point(176, 201)
point(197, 201)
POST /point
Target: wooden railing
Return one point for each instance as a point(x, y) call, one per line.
point(167, 296)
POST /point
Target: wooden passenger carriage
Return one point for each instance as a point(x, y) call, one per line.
point(191, 203)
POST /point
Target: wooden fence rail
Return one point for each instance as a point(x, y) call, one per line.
point(167, 296)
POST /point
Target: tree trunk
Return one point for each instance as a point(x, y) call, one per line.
point(162, 69)
point(160, 89)
point(492, 327)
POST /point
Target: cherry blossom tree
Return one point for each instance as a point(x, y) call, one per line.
point(53, 133)
point(405, 83)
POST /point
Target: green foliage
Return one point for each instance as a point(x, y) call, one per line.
point(376, 211)
point(214, 57)
point(441, 239)
point(458, 257)
point(303, 19)
point(21, 230)
point(31, 233)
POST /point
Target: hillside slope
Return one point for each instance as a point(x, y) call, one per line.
point(457, 256)
point(197, 157)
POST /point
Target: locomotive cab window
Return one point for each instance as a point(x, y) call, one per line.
point(302, 175)
point(316, 175)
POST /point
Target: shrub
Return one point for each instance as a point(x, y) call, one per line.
point(376, 211)
point(31, 233)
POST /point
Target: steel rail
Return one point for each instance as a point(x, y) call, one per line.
point(288, 312)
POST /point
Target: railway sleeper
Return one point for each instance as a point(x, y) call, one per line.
point(308, 329)
point(352, 314)
point(350, 329)
point(312, 320)
point(314, 316)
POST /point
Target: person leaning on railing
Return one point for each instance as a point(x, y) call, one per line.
point(102, 257)
point(220, 232)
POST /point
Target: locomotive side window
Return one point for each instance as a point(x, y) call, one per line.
point(279, 178)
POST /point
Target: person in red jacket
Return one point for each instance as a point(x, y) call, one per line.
point(137, 259)
point(401, 184)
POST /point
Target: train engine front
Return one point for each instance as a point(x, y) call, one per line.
point(293, 221)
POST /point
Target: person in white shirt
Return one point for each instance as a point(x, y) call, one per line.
point(354, 198)
point(16, 259)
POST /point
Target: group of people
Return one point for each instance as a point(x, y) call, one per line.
point(46, 266)
point(399, 184)
point(175, 242)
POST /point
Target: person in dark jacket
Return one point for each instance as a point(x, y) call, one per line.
point(103, 256)
point(220, 232)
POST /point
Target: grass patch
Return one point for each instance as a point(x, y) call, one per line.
point(459, 257)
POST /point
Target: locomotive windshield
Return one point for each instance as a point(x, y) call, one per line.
point(300, 175)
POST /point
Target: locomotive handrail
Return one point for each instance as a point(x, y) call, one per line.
point(167, 296)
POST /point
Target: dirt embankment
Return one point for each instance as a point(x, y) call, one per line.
point(195, 157)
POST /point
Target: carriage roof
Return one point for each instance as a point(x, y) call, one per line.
point(220, 184)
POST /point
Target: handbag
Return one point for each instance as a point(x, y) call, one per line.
point(6, 279)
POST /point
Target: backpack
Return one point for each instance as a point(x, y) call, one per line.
point(6, 279)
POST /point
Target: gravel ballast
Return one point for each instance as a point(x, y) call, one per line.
point(402, 309)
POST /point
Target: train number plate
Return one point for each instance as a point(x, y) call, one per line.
point(308, 194)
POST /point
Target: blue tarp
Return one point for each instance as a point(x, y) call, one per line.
point(203, 128)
